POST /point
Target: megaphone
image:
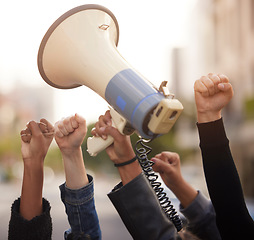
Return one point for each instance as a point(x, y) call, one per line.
point(80, 48)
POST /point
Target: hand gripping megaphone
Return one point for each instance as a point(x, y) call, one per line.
point(80, 48)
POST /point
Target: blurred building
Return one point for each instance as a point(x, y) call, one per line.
point(17, 107)
point(23, 104)
point(234, 48)
point(233, 22)
point(222, 41)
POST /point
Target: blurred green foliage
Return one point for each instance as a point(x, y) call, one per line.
point(10, 145)
point(249, 108)
point(9, 154)
point(54, 159)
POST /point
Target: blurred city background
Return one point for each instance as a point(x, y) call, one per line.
point(177, 41)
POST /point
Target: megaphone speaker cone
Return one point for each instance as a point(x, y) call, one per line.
point(73, 48)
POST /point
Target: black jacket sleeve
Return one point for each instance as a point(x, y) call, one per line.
point(140, 211)
point(39, 228)
point(224, 186)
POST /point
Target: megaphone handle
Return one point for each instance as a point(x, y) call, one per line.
point(97, 144)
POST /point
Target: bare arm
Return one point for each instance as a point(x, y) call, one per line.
point(70, 133)
point(34, 147)
point(168, 166)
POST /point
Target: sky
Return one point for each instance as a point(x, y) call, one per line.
point(148, 32)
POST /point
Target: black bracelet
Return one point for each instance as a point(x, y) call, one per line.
point(125, 163)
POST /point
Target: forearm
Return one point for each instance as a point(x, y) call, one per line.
point(184, 192)
point(222, 179)
point(129, 172)
point(31, 194)
point(140, 210)
point(75, 171)
point(219, 167)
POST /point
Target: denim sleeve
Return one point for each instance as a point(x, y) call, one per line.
point(81, 212)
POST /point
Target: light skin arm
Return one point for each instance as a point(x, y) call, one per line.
point(69, 135)
point(167, 164)
point(120, 151)
point(35, 141)
point(212, 93)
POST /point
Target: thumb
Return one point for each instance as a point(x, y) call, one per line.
point(34, 128)
point(160, 166)
point(80, 120)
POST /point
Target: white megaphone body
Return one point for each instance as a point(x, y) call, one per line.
point(80, 49)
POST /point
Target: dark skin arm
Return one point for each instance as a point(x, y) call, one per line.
point(36, 139)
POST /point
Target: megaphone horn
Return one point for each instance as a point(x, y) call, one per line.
point(80, 49)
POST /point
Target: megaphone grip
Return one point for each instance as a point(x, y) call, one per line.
point(97, 144)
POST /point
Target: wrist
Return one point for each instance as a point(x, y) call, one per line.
point(75, 171)
point(210, 116)
point(33, 164)
point(123, 158)
point(121, 164)
point(71, 153)
point(129, 172)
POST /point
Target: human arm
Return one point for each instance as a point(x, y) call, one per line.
point(70, 133)
point(140, 210)
point(39, 227)
point(30, 214)
point(167, 164)
point(195, 207)
point(201, 218)
point(77, 193)
point(134, 198)
point(34, 147)
point(223, 182)
point(120, 151)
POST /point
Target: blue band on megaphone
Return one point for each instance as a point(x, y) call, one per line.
point(134, 98)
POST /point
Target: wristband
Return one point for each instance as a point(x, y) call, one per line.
point(125, 163)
